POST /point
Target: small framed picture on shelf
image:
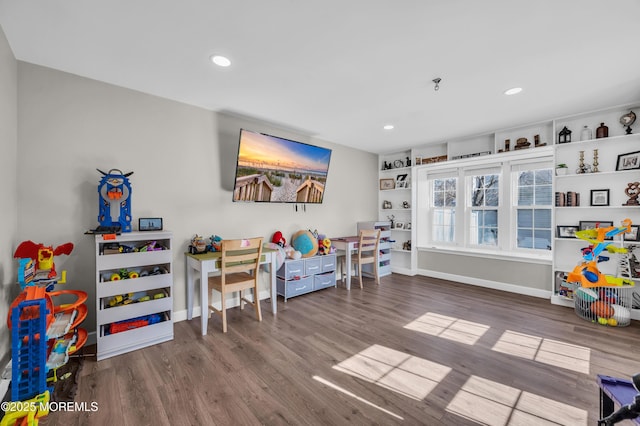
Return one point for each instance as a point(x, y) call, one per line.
point(399, 225)
point(629, 161)
point(567, 231)
point(401, 181)
point(418, 161)
point(599, 197)
point(633, 235)
point(387, 184)
point(593, 224)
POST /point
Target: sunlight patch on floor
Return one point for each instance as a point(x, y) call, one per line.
point(400, 372)
point(352, 395)
point(450, 328)
point(491, 403)
point(546, 351)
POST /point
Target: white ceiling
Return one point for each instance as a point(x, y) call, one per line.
point(339, 70)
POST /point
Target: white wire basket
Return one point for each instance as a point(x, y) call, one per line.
point(609, 306)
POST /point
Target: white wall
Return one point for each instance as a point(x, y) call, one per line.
point(183, 159)
point(8, 176)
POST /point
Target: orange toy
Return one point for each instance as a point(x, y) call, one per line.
point(601, 309)
point(42, 255)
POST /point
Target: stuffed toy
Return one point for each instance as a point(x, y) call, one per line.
point(324, 244)
point(279, 239)
point(279, 252)
point(292, 253)
point(216, 242)
point(305, 242)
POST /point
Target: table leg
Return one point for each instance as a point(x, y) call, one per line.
point(272, 281)
point(190, 285)
point(349, 264)
point(204, 301)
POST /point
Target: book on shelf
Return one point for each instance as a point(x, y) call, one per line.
point(573, 199)
point(561, 199)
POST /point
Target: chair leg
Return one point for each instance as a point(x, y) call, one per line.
point(376, 271)
point(256, 303)
point(360, 275)
point(223, 312)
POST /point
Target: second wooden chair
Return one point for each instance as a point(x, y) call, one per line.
point(368, 243)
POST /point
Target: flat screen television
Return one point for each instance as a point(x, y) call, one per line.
point(270, 169)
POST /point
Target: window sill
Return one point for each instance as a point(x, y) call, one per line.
point(544, 259)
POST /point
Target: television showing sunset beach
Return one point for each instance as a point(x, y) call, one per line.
point(273, 169)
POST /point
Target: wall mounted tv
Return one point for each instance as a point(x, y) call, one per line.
point(270, 169)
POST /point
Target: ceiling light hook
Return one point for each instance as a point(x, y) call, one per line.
point(436, 81)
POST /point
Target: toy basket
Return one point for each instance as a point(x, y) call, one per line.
point(604, 305)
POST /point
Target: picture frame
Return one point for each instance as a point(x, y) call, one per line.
point(386, 184)
point(401, 184)
point(150, 224)
point(418, 161)
point(399, 225)
point(634, 235)
point(593, 224)
point(599, 197)
point(567, 231)
point(628, 161)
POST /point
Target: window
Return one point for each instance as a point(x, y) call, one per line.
point(444, 209)
point(533, 208)
point(486, 206)
point(484, 202)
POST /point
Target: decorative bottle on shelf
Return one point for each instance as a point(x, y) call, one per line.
point(602, 131)
point(586, 134)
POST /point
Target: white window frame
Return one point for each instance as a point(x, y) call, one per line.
point(516, 167)
point(507, 208)
point(470, 173)
point(459, 208)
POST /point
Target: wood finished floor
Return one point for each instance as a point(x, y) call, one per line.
point(283, 370)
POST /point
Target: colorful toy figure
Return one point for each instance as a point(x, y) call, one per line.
point(216, 243)
point(114, 192)
point(586, 273)
point(198, 245)
point(41, 267)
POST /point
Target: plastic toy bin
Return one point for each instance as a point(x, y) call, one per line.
point(604, 305)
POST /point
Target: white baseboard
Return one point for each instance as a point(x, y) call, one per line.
point(512, 288)
point(403, 271)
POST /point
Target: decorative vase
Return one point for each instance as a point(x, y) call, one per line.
point(602, 131)
point(561, 171)
point(586, 134)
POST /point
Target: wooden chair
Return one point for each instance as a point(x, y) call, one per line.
point(368, 243)
point(239, 271)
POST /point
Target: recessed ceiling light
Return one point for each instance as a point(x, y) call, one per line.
point(388, 127)
point(513, 91)
point(220, 61)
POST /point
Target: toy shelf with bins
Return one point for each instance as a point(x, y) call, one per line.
point(132, 313)
point(384, 249)
point(300, 276)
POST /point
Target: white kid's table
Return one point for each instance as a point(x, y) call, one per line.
point(199, 266)
point(348, 245)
